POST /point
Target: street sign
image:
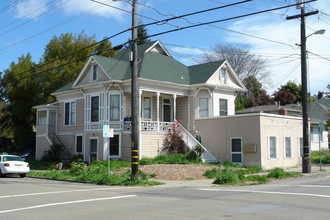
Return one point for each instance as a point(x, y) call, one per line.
point(106, 132)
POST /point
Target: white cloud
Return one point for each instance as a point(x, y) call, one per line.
point(30, 8)
point(287, 32)
point(187, 51)
point(94, 8)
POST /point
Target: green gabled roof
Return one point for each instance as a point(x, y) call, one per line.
point(160, 67)
point(65, 88)
point(202, 72)
point(124, 54)
point(153, 66)
point(116, 69)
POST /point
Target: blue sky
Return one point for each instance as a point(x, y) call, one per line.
point(28, 25)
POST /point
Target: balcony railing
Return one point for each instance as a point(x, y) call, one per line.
point(146, 126)
point(151, 126)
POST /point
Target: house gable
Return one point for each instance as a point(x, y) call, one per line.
point(225, 77)
point(93, 72)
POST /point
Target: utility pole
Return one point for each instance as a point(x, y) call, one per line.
point(135, 94)
point(306, 160)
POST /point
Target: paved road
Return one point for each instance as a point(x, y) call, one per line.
point(305, 198)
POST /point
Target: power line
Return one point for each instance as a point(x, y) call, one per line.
point(54, 26)
point(222, 20)
point(27, 15)
point(196, 25)
point(9, 6)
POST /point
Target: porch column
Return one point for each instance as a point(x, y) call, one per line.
point(174, 107)
point(158, 94)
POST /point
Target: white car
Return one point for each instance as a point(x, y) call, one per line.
point(11, 164)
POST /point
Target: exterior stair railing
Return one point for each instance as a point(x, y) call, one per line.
point(191, 142)
point(65, 154)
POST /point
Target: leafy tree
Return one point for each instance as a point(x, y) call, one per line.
point(263, 99)
point(242, 102)
point(254, 96)
point(21, 92)
point(293, 88)
point(62, 63)
point(241, 59)
point(284, 97)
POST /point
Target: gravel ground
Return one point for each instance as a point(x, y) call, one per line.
point(177, 171)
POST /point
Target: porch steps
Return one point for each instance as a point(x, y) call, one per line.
point(207, 156)
point(191, 142)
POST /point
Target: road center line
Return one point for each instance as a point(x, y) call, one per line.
point(267, 192)
point(65, 203)
point(59, 192)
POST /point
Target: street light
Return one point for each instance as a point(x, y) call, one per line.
point(321, 31)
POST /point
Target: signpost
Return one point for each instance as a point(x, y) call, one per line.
point(321, 126)
point(107, 133)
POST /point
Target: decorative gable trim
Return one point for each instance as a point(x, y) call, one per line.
point(230, 72)
point(90, 63)
point(161, 46)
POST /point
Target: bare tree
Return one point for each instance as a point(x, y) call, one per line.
point(244, 62)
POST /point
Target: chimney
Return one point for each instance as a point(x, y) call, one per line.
point(283, 111)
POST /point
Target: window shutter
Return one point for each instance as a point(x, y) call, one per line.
point(101, 109)
point(87, 108)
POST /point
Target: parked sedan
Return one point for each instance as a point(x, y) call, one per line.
point(10, 164)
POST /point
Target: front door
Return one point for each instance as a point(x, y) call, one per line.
point(167, 110)
point(114, 146)
point(93, 150)
point(236, 150)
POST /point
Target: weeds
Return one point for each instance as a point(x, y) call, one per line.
point(236, 174)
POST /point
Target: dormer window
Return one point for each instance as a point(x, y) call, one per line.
point(94, 74)
point(223, 75)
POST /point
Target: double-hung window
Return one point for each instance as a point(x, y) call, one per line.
point(115, 107)
point(223, 107)
point(70, 113)
point(223, 75)
point(315, 134)
point(146, 107)
point(42, 117)
point(272, 147)
point(79, 144)
point(95, 109)
point(203, 107)
point(94, 73)
point(288, 147)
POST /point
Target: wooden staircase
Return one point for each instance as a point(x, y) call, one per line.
point(191, 142)
point(65, 153)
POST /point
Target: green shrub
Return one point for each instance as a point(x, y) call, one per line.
point(228, 176)
point(77, 168)
point(253, 169)
point(258, 178)
point(212, 173)
point(277, 173)
point(53, 154)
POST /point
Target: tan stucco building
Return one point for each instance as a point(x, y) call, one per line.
point(265, 140)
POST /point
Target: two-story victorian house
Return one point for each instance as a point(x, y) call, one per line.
point(101, 95)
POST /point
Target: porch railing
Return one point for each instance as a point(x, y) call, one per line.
point(150, 126)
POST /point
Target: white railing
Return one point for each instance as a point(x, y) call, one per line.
point(191, 142)
point(98, 126)
point(151, 126)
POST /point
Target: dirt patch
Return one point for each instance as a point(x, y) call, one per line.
point(177, 171)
